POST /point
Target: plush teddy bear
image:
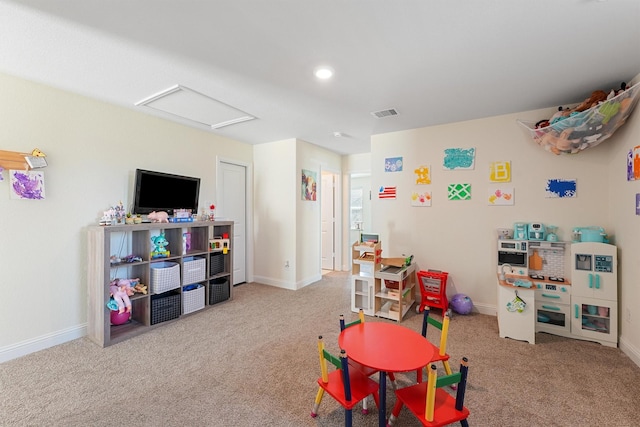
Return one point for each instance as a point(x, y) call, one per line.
point(596, 97)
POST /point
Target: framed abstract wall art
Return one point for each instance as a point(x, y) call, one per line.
point(309, 183)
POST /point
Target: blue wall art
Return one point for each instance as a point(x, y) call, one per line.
point(393, 164)
point(561, 188)
point(459, 158)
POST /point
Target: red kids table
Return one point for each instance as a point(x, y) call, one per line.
point(388, 347)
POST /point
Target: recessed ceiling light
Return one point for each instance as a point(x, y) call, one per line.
point(323, 73)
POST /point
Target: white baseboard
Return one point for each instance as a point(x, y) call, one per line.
point(286, 285)
point(489, 309)
point(274, 282)
point(629, 350)
point(14, 351)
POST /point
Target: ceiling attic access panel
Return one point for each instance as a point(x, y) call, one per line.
point(188, 104)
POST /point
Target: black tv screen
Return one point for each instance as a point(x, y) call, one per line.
point(159, 191)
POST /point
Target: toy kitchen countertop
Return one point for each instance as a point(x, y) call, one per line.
point(515, 281)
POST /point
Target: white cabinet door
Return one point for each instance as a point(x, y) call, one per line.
point(595, 319)
point(594, 270)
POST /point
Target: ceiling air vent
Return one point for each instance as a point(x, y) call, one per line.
point(385, 113)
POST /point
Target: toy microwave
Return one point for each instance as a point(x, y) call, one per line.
point(512, 246)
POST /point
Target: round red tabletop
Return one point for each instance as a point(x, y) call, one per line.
point(386, 346)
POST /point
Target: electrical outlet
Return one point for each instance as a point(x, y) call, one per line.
point(628, 315)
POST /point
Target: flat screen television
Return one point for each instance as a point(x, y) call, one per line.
point(159, 191)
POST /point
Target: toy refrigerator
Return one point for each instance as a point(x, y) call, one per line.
point(594, 293)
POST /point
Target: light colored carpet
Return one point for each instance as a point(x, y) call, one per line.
point(252, 361)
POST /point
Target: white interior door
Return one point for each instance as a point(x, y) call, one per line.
point(327, 197)
point(232, 193)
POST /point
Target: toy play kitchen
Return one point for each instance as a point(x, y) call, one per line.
point(562, 288)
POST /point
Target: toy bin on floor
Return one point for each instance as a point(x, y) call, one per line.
point(218, 290)
point(192, 298)
point(433, 290)
point(165, 307)
point(165, 276)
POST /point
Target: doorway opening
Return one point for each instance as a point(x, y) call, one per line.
point(359, 206)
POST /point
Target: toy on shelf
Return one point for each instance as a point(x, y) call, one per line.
point(160, 216)
point(121, 290)
point(118, 213)
point(120, 318)
point(107, 217)
point(140, 289)
point(586, 125)
point(160, 246)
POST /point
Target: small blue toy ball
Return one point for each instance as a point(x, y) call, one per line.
point(461, 304)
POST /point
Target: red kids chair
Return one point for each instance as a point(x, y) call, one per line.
point(431, 404)
point(346, 387)
point(440, 351)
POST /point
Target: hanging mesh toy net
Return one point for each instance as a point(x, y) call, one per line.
point(577, 131)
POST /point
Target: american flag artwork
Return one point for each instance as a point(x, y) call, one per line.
point(387, 192)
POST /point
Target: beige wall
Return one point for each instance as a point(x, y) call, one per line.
point(622, 215)
point(287, 229)
point(460, 236)
point(308, 218)
point(92, 149)
point(275, 187)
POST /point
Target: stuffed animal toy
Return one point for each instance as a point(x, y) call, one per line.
point(159, 243)
point(140, 288)
point(121, 290)
point(160, 216)
point(596, 97)
point(608, 110)
point(559, 143)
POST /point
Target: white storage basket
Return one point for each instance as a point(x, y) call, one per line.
point(193, 270)
point(193, 300)
point(165, 276)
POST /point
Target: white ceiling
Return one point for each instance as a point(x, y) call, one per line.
point(434, 61)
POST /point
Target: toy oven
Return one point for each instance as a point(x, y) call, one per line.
point(514, 259)
point(553, 309)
